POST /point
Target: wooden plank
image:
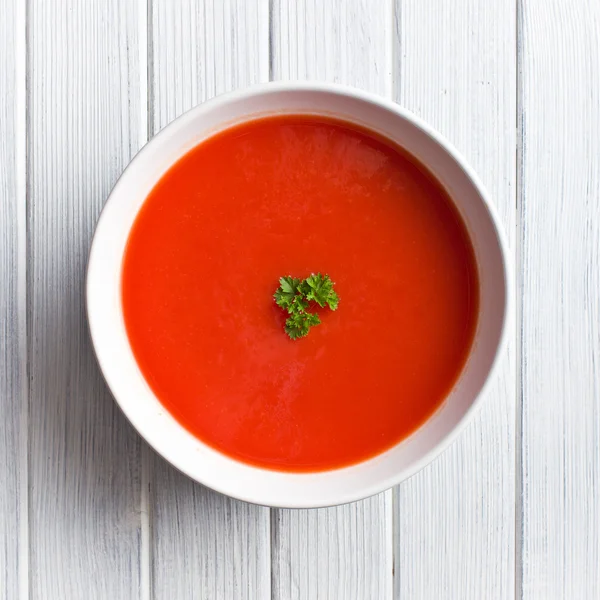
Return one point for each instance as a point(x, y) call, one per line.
point(560, 239)
point(13, 348)
point(343, 552)
point(342, 41)
point(85, 124)
point(455, 521)
point(205, 545)
point(202, 48)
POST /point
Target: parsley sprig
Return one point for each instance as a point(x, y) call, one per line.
point(295, 295)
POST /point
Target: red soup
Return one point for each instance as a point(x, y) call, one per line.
point(296, 195)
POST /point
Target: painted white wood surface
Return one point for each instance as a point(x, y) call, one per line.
point(511, 510)
point(560, 279)
point(13, 474)
point(84, 459)
point(346, 552)
point(455, 66)
point(202, 544)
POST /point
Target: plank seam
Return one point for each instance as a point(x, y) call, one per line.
point(393, 43)
point(272, 545)
point(390, 54)
point(145, 83)
point(519, 308)
point(22, 127)
point(272, 511)
point(149, 75)
point(271, 35)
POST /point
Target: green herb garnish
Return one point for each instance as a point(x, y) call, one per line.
point(295, 295)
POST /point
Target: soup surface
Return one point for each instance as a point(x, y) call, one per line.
point(294, 195)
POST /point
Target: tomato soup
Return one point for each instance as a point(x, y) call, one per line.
point(295, 195)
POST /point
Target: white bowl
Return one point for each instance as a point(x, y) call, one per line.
point(155, 423)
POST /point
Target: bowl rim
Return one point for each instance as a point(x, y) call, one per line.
point(360, 492)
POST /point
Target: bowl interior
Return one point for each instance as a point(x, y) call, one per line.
point(137, 400)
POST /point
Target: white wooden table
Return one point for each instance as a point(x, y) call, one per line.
point(511, 510)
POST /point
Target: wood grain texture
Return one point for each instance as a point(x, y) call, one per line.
point(202, 48)
point(334, 553)
point(341, 41)
point(340, 553)
point(13, 384)
point(455, 520)
point(84, 127)
point(204, 545)
point(560, 210)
